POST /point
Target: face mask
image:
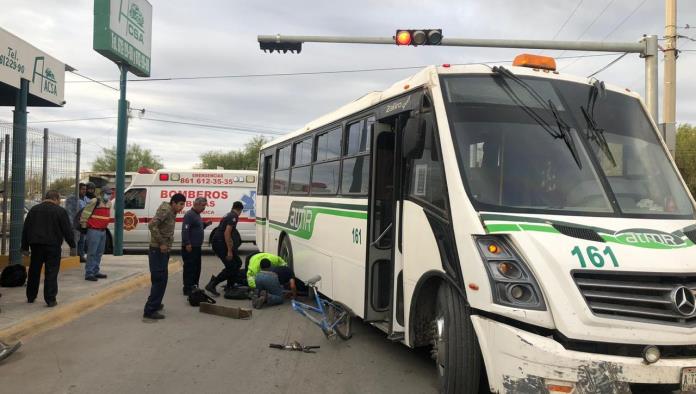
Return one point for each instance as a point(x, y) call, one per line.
point(106, 197)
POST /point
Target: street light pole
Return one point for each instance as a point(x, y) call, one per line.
point(670, 86)
point(121, 146)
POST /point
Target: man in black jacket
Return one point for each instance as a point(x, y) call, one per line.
point(192, 235)
point(45, 227)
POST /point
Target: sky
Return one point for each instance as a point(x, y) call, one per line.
point(218, 38)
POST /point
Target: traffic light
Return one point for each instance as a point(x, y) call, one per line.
point(281, 47)
point(418, 37)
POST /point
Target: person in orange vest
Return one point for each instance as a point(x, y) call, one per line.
point(93, 222)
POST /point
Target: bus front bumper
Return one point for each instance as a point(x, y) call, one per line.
point(518, 361)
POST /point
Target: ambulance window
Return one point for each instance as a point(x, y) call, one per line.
point(135, 198)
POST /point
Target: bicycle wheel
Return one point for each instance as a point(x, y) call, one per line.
point(340, 318)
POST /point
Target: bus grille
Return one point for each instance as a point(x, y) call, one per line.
point(579, 232)
point(648, 297)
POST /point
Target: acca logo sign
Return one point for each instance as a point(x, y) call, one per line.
point(249, 201)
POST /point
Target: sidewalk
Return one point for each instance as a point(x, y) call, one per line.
point(76, 296)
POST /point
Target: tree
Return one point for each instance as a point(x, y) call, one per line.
point(242, 159)
point(686, 154)
point(136, 157)
point(64, 186)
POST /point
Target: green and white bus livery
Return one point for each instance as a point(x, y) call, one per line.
point(528, 226)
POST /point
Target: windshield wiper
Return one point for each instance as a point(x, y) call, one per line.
point(563, 128)
point(594, 132)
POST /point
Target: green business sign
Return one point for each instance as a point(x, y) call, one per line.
point(123, 33)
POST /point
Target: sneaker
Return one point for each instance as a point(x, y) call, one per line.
point(154, 316)
point(91, 278)
point(51, 304)
point(258, 302)
point(100, 276)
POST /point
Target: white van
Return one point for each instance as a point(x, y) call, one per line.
point(221, 187)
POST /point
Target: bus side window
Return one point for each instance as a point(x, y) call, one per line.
point(135, 199)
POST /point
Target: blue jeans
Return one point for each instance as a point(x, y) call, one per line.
point(269, 281)
point(96, 240)
point(81, 245)
point(159, 264)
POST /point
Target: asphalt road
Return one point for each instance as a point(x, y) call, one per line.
point(113, 351)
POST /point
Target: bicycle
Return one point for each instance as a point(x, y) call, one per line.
point(332, 317)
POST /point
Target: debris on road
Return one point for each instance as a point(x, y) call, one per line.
point(226, 311)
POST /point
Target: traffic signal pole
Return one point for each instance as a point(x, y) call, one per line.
point(646, 48)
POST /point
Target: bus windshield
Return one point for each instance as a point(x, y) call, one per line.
point(538, 145)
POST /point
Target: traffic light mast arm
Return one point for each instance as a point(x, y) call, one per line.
point(632, 47)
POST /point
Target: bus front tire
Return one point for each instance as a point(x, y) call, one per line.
point(455, 347)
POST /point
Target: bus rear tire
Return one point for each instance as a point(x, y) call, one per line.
point(455, 347)
point(285, 250)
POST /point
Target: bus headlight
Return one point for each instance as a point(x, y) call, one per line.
point(512, 282)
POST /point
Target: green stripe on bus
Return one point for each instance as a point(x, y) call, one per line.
point(307, 230)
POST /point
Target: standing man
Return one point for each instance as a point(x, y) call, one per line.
point(73, 205)
point(192, 235)
point(93, 222)
point(45, 227)
point(161, 239)
point(226, 243)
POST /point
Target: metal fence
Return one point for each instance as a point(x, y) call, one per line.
point(52, 163)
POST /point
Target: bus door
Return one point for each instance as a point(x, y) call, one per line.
point(382, 265)
point(263, 197)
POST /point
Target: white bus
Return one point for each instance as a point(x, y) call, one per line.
point(221, 187)
point(527, 225)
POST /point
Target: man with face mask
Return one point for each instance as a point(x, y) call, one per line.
point(93, 222)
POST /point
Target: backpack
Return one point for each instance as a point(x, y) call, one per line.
point(196, 296)
point(237, 293)
point(14, 275)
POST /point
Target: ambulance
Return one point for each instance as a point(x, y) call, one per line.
point(221, 188)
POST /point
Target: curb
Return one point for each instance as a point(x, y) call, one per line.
point(64, 314)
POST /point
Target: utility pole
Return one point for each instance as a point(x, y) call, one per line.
point(669, 128)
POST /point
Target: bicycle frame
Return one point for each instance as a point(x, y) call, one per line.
point(308, 310)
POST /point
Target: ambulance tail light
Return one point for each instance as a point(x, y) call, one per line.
point(164, 177)
point(535, 61)
point(512, 282)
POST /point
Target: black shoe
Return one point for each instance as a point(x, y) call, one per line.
point(187, 292)
point(51, 304)
point(91, 278)
point(154, 316)
point(211, 286)
point(31, 301)
point(258, 302)
point(100, 276)
point(160, 307)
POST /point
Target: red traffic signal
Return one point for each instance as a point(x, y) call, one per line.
point(418, 37)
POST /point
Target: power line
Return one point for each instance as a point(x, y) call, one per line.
point(267, 132)
point(624, 20)
point(567, 19)
point(93, 80)
point(63, 120)
point(596, 19)
point(235, 76)
point(234, 125)
point(607, 66)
